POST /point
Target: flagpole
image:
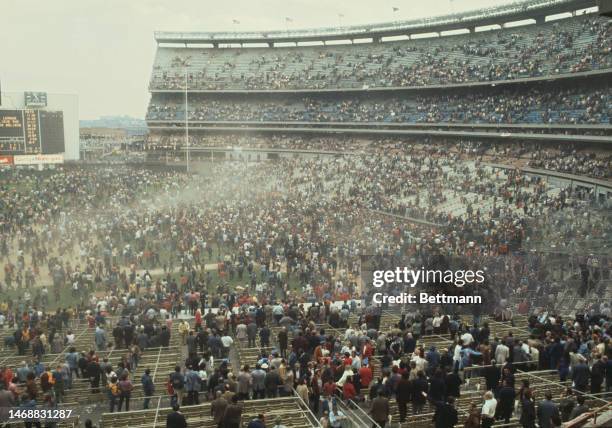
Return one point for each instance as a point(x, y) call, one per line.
point(186, 118)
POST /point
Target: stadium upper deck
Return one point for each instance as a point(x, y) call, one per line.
point(578, 44)
point(311, 79)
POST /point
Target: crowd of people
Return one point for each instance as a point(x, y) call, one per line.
point(571, 161)
point(568, 46)
point(169, 142)
point(324, 368)
point(540, 105)
point(263, 238)
point(567, 158)
point(332, 369)
point(273, 255)
point(488, 215)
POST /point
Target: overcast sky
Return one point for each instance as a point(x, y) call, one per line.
point(103, 50)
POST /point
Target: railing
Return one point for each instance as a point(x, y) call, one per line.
point(386, 125)
point(163, 402)
point(556, 174)
point(582, 419)
point(294, 128)
point(311, 416)
point(362, 413)
point(476, 367)
point(594, 397)
point(347, 421)
point(157, 412)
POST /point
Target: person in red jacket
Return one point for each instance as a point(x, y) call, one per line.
point(347, 361)
point(7, 376)
point(368, 350)
point(366, 375)
point(348, 390)
point(329, 388)
point(198, 318)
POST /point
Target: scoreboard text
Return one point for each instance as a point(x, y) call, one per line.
point(31, 132)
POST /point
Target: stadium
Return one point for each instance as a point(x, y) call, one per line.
point(225, 265)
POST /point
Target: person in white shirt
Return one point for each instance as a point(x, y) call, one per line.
point(241, 333)
point(227, 341)
point(348, 333)
point(457, 356)
point(535, 356)
point(421, 363)
point(502, 353)
point(467, 338)
point(488, 410)
point(348, 372)
point(437, 322)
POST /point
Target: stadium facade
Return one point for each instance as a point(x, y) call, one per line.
point(304, 83)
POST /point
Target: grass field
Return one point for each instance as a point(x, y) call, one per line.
point(68, 300)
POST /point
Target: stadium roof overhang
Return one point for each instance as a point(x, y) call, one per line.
point(532, 9)
point(478, 131)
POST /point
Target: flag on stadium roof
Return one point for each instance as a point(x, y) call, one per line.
point(235, 21)
point(395, 9)
point(288, 19)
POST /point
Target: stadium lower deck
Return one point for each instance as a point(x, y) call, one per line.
point(240, 234)
point(293, 411)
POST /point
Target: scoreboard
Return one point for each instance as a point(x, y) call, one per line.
point(35, 99)
point(31, 131)
point(11, 123)
point(52, 131)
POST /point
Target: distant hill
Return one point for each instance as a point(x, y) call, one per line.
point(116, 122)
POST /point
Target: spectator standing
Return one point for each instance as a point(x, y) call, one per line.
point(258, 377)
point(217, 408)
point(581, 375)
point(380, 410)
point(528, 411)
point(177, 380)
point(420, 389)
point(505, 406)
point(403, 393)
point(244, 381)
point(488, 410)
point(113, 393)
point(148, 388)
point(192, 386)
point(125, 392)
point(176, 419)
point(233, 414)
point(446, 415)
point(548, 412)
